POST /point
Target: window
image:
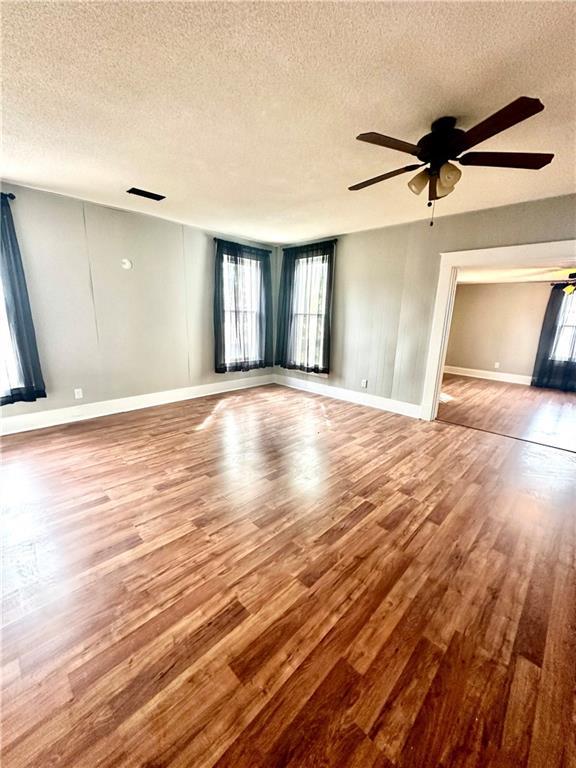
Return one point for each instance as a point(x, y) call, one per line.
point(564, 345)
point(242, 308)
point(304, 311)
point(20, 372)
point(555, 365)
point(11, 376)
point(242, 280)
point(308, 328)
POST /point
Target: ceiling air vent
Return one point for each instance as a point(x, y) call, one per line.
point(144, 193)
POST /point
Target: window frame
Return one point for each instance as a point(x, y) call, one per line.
point(566, 313)
point(227, 254)
point(10, 368)
point(307, 262)
point(289, 311)
point(229, 313)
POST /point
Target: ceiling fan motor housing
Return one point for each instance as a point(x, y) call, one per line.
point(445, 142)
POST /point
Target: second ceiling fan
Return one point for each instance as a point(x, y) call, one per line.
point(445, 142)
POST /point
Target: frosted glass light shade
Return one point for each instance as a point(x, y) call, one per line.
point(419, 182)
point(449, 175)
point(442, 190)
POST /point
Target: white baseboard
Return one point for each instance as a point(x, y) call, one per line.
point(43, 419)
point(26, 422)
point(510, 378)
point(352, 396)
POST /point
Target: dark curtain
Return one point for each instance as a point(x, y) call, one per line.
point(556, 357)
point(305, 307)
point(242, 308)
point(21, 375)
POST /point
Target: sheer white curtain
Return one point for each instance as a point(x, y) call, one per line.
point(303, 337)
point(20, 371)
point(309, 307)
point(564, 346)
point(242, 307)
point(242, 288)
point(11, 377)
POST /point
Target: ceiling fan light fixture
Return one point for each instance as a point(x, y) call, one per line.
point(448, 141)
point(419, 182)
point(442, 190)
point(449, 175)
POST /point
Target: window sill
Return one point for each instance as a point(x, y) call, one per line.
point(290, 371)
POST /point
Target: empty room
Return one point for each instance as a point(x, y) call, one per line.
point(510, 358)
point(288, 338)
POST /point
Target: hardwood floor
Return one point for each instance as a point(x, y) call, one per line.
point(545, 416)
point(272, 578)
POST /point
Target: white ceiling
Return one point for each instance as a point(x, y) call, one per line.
point(244, 114)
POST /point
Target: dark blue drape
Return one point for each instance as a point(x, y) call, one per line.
point(555, 366)
point(303, 336)
point(21, 375)
point(242, 308)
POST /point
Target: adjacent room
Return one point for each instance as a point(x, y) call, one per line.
point(511, 355)
point(288, 360)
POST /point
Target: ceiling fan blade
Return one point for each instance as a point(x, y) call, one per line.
point(531, 160)
point(388, 141)
point(518, 110)
point(384, 176)
point(432, 188)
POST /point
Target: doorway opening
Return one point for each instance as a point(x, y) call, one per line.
point(490, 311)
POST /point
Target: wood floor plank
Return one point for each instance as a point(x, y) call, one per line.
point(396, 718)
point(314, 734)
point(553, 722)
point(520, 711)
point(439, 732)
point(545, 416)
point(269, 578)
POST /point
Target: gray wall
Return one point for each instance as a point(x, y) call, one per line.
point(114, 332)
point(150, 329)
point(499, 322)
point(386, 284)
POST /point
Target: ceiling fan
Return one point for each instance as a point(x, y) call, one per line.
point(445, 142)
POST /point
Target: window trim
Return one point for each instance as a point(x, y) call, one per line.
point(286, 306)
point(28, 384)
point(231, 251)
point(569, 314)
point(229, 312)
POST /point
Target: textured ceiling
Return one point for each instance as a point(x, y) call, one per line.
point(244, 114)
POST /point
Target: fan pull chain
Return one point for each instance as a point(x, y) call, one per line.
point(433, 204)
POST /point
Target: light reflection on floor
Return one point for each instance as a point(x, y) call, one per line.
point(536, 415)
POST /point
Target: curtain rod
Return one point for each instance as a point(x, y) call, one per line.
point(309, 245)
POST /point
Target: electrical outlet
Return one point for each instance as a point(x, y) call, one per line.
point(496, 365)
point(78, 394)
point(364, 383)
